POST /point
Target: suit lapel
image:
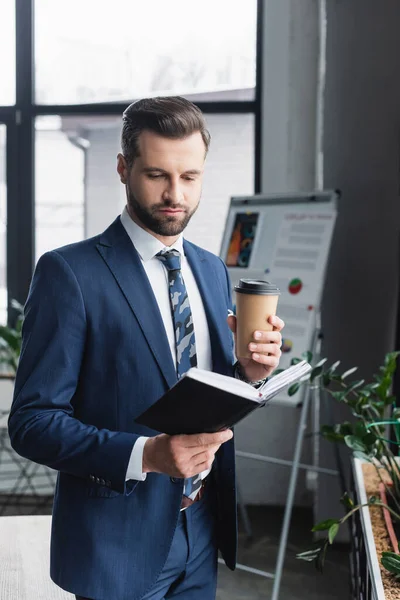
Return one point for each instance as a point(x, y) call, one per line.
point(212, 295)
point(124, 262)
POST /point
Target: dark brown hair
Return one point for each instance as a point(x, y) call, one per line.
point(172, 117)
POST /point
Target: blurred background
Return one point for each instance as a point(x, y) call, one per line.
point(298, 95)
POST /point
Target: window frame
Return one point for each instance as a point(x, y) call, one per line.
point(20, 153)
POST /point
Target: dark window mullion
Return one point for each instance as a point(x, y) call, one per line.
point(21, 219)
point(258, 98)
point(217, 107)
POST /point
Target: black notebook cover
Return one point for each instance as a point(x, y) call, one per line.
point(192, 406)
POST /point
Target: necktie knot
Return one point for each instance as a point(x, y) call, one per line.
point(170, 258)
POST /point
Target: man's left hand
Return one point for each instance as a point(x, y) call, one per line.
point(265, 350)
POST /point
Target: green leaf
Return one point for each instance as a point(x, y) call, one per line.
point(316, 372)
point(373, 500)
point(17, 306)
point(347, 501)
point(293, 389)
point(330, 434)
point(355, 385)
point(309, 555)
point(396, 413)
point(339, 396)
point(320, 560)
point(321, 362)
point(360, 430)
point(332, 532)
point(326, 379)
point(295, 361)
point(325, 525)
point(349, 372)
point(369, 439)
point(277, 371)
point(391, 562)
point(362, 456)
point(333, 367)
point(344, 428)
point(354, 443)
point(308, 356)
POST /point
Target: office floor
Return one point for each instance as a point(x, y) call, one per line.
point(300, 580)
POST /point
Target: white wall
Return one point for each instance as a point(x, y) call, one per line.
point(290, 76)
point(229, 170)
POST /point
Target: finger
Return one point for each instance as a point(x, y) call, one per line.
point(276, 322)
point(203, 461)
point(231, 320)
point(268, 337)
point(205, 454)
point(265, 349)
point(208, 439)
point(264, 359)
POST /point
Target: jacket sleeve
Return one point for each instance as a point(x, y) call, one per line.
point(229, 308)
point(41, 425)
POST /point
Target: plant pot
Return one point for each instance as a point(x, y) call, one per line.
point(370, 538)
point(388, 519)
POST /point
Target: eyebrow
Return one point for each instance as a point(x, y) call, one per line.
point(159, 170)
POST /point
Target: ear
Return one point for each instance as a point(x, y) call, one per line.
point(122, 168)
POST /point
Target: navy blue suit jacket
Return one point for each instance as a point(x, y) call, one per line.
point(95, 355)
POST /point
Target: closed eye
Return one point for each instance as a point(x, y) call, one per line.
point(155, 175)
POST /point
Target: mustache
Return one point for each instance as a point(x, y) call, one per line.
point(170, 205)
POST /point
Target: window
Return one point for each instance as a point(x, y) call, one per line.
point(78, 65)
point(78, 192)
point(3, 227)
point(86, 53)
point(59, 185)
point(7, 52)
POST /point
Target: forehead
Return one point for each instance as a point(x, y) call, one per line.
point(158, 151)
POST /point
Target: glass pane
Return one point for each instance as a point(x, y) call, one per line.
point(3, 227)
point(134, 49)
point(7, 52)
point(79, 193)
point(59, 167)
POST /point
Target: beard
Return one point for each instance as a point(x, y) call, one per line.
point(161, 224)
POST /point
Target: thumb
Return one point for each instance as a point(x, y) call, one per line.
point(231, 320)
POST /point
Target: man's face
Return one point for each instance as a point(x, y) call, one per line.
point(164, 183)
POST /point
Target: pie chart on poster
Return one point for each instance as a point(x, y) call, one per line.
point(287, 345)
point(295, 286)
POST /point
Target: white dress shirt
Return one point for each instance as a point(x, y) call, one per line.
point(147, 247)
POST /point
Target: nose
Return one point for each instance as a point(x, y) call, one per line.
point(173, 192)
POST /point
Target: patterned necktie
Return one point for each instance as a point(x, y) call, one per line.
point(185, 345)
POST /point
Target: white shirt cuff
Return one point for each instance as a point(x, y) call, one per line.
point(135, 465)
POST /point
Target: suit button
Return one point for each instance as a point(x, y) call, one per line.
point(97, 480)
point(91, 477)
point(103, 481)
point(174, 479)
point(108, 482)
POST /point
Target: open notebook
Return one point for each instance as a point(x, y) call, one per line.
point(205, 402)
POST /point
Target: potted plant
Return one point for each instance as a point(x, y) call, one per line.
point(10, 344)
point(373, 409)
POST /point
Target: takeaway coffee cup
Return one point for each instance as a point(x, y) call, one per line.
point(256, 301)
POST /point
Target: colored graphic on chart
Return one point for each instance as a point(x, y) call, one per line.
point(287, 345)
point(295, 286)
point(242, 240)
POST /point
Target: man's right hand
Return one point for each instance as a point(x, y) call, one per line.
point(182, 455)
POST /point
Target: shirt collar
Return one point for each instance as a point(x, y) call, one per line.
point(146, 244)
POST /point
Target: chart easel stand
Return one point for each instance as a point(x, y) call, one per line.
point(311, 397)
point(286, 237)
